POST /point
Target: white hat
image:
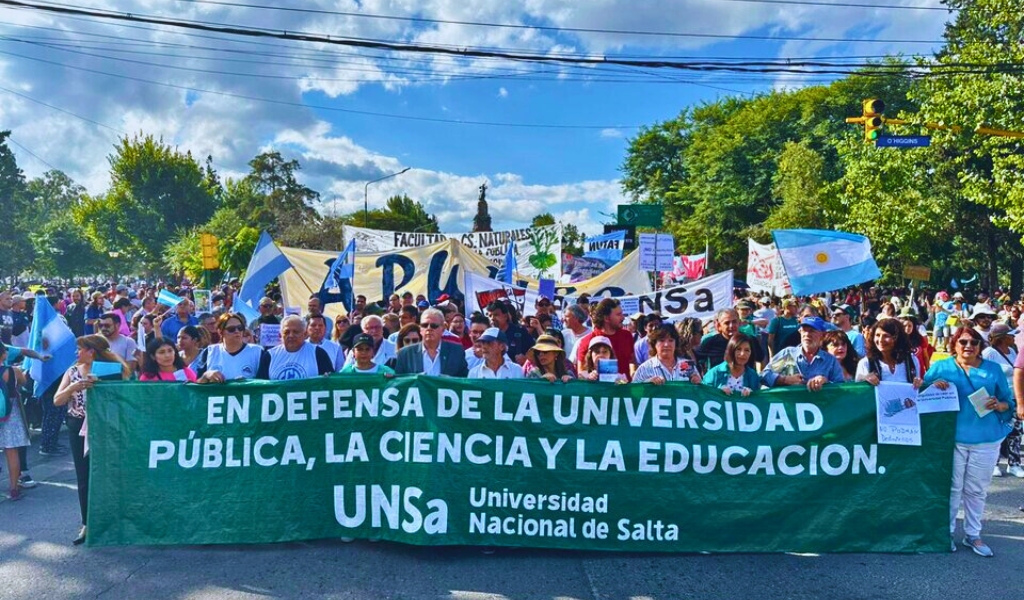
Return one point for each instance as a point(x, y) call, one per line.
point(599, 339)
point(982, 309)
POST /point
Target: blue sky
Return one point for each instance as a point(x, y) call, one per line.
point(62, 110)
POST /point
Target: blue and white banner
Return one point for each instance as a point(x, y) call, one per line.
point(607, 248)
point(50, 336)
point(818, 260)
point(267, 263)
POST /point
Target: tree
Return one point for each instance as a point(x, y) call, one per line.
point(15, 248)
point(990, 170)
point(400, 213)
point(543, 220)
point(160, 191)
point(272, 199)
point(572, 239)
point(63, 249)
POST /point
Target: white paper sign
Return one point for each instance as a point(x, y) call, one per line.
point(898, 421)
point(630, 305)
point(657, 251)
point(979, 399)
point(934, 400)
point(270, 335)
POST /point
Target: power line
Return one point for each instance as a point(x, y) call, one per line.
point(317, 106)
point(32, 154)
point(395, 46)
point(59, 109)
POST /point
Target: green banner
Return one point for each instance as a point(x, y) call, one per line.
point(437, 461)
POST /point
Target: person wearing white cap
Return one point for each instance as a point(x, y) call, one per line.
point(494, 345)
point(982, 317)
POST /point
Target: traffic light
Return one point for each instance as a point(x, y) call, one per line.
point(873, 119)
point(208, 243)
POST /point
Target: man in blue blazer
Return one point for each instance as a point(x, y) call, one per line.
point(432, 356)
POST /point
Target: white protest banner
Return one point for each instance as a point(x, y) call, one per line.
point(898, 421)
point(934, 400)
point(432, 271)
point(699, 298)
point(538, 249)
point(765, 272)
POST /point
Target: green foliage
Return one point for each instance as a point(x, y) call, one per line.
point(543, 220)
point(400, 213)
point(572, 239)
point(183, 255)
point(271, 198)
point(156, 191)
point(63, 249)
point(15, 249)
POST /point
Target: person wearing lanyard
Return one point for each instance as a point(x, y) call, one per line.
point(664, 363)
point(981, 426)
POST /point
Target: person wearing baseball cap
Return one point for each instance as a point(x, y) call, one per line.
point(494, 345)
point(807, 364)
point(363, 350)
point(841, 314)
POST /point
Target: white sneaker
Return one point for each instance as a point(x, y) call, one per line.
point(996, 472)
point(1016, 471)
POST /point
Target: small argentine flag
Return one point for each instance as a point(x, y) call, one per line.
point(818, 260)
point(50, 336)
point(169, 299)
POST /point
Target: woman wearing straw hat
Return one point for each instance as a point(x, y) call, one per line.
point(548, 360)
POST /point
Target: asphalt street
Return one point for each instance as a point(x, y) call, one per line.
point(37, 561)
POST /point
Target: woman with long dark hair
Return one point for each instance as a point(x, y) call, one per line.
point(889, 356)
point(162, 362)
point(72, 391)
point(838, 344)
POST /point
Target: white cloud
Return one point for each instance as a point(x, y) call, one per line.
point(223, 123)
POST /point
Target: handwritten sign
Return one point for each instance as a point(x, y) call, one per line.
point(898, 420)
point(270, 335)
point(934, 400)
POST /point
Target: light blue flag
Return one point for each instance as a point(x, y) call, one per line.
point(247, 311)
point(606, 248)
point(168, 298)
point(51, 336)
point(818, 260)
point(267, 263)
point(507, 272)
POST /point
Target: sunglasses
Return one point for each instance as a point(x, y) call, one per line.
point(234, 328)
point(411, 340)
point(430, 325)
point(966, 343)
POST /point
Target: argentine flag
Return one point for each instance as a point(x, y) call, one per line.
point(51, 336)
point(818, 260)
point(507, 272)
point(267, 262)
point(169, 299)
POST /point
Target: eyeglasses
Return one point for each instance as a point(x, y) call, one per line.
point(411, 340)
point(430, 325)
point(966, 343)
point(234, 328)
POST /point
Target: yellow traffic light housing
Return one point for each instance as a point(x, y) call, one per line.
point(874, 121)
point(208, 243)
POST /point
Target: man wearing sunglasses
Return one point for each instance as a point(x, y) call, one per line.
point(432, 356)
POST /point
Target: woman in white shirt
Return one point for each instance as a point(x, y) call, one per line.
point(889, 356)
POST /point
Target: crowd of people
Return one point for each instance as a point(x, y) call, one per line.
point(759, 342)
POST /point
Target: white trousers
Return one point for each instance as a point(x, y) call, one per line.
point(972, 474)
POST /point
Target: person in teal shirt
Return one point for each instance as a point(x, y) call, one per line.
point(734, 374)
point(979, 431)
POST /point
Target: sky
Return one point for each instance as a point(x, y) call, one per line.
point(544, 137)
